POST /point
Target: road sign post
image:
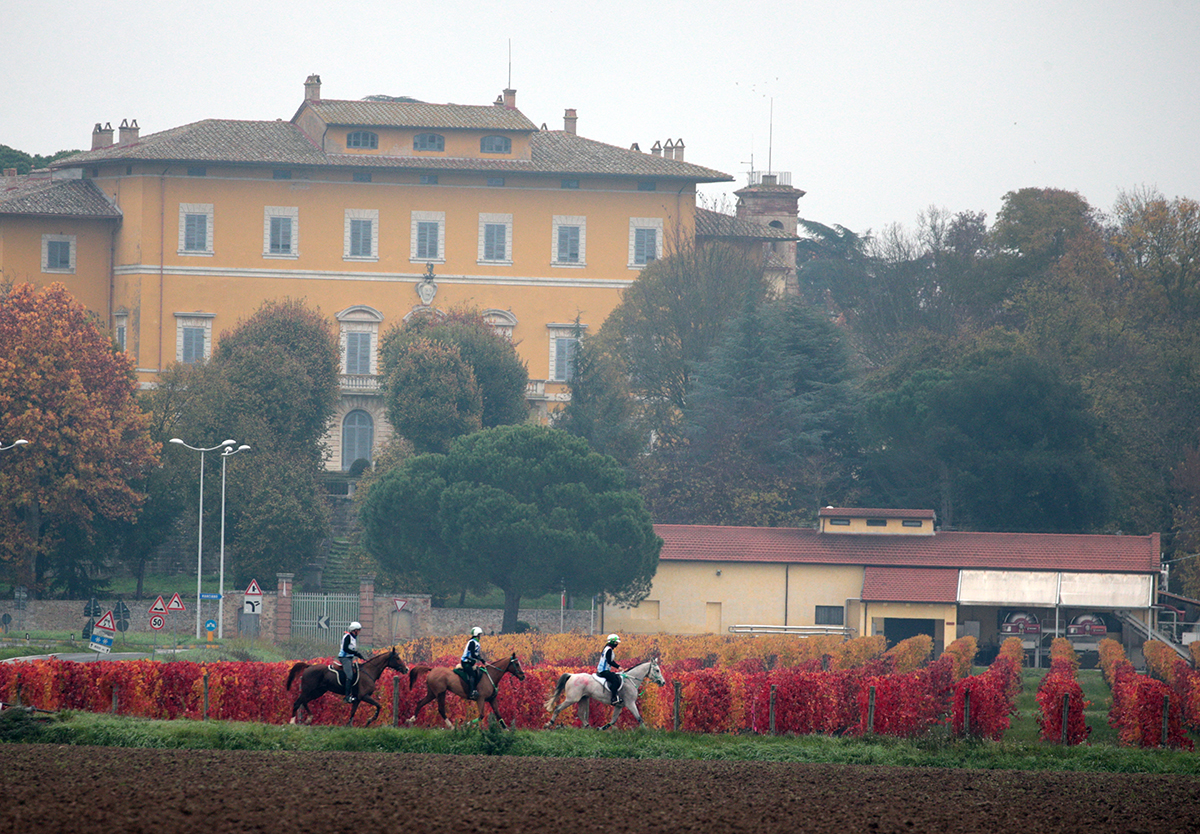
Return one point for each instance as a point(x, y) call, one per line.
point(103, 633)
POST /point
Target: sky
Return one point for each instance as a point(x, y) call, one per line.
point(878, 109)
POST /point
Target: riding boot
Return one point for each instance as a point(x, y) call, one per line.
point(616, 697)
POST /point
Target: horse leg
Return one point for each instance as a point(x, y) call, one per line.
point(585, 711)
point(353, 709)
point(615, 715)
point(420, 706)
point(441, 702)
point(373, 703)
point(557, 710)
point(636, 712)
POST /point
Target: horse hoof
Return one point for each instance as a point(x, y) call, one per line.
point(411, 721)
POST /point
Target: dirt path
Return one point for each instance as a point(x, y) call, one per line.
point(50, 789)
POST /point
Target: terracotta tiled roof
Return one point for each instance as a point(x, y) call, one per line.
point(855, 512)
point(995, 551)
point(882, 584)
point(420, 114)
point(57, 198)
point(213, 140)
point(217, 141)
point(714, 224)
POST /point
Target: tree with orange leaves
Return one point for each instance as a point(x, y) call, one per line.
point(66, 389)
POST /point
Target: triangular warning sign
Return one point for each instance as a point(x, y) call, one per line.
point(106, 622)
point(176, 604)
point(254, 590)
point(159, 607)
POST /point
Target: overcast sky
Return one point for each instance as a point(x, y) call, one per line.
point(880, 109)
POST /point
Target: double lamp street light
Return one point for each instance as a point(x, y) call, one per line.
point(227, 450)
point(13, 445)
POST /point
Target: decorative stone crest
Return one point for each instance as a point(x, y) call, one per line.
point(426, 288)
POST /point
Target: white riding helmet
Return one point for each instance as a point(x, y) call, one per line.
point(355, 626)
point(614, 639)
point(477, 631)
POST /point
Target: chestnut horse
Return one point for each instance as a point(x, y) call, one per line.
point(578, 688)
point(443, 679)
point(316, 680)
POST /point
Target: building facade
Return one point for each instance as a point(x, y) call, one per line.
point(371, 211)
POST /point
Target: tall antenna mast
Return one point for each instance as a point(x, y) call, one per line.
point(510, 63)
point(770, 134)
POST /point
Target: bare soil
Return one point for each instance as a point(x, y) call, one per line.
point(49, 789)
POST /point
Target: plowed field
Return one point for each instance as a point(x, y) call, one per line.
point(51, 789)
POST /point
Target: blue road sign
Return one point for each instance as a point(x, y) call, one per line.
point(210, 596)
point(100, 643)
point(210, 625)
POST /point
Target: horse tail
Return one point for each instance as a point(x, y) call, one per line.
point(297, 670)
point(414, 672)
point(558, 690)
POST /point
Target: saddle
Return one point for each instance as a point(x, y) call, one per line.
point(336, 668)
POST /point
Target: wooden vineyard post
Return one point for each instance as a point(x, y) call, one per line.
point(772, 712)
point(678, 701)
point(967, 713)
point(204, 671)
point(116, 689)
point(1066, 717)
point(871, 710)
point(395, 703)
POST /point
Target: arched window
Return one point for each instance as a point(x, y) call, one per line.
point(362, 139)
point(429, 142)
point(358, 434)
point(495, 144)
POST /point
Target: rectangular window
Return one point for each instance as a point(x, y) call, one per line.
point(568, 245)
point(358, 353)
point(195, 233)
point(911, 522)
point(428, 179)
point(428, 241)
point(281, 236)
point(193, 345)
point(839, 522)
point(645, 245)
point(361, 235)
point(119, 336)
point(197, 171)
point(281, 174)
point(833, 615)
point(564, 358)
point(647, 185)
point(362, 176)
point(570, 183)
point(195, 228)
point(495, 182)
point(58, 255)
point(494, 242)
point(877, 522)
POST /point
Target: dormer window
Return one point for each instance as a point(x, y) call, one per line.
point(429, 142)
point(495, 144)
point(364, 139)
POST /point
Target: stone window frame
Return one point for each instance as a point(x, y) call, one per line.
point(558, 221)
point(359, 318)
point(184, 321)
point(190, 209)
point(70, 240)
point(363, 140)
point(438, 217)
point(361, 214)
point(651, 223)
point(293, 214)
point(557, 332)
point(491, 219)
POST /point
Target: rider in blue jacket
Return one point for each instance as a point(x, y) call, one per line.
point(472, 655)
point(607, 664)
point(346, 655)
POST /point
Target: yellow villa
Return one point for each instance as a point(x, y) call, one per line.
point(371, 211)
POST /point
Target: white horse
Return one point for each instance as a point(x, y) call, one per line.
point(578, 688)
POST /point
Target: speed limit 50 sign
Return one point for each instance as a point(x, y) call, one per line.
point(157, 622)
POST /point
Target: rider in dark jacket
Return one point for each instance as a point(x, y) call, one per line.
point(346, 654)
point(473, 654)
point(607, 664)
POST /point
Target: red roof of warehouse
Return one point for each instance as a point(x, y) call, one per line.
point(988, 551)
point(910, 584)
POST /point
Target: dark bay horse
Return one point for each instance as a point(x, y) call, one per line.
point(316, 680)
point(443, 679)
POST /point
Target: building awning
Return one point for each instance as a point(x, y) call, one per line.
point(1050, 588)
point(909, 584)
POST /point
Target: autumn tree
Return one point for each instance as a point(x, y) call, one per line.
point(527, 509)
point(66, 390)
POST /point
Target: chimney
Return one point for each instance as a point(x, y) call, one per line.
point(102, 137)
point(767, 179)
point(656, 149)
point(679, 150)
point(634, 147)
point(669, 150)
point(312, 88)
point(129, 132)
point(569, 120)
point(510, 99)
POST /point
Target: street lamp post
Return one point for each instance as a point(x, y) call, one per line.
point(200, 535)
point(13, 445)
point(227, 453)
